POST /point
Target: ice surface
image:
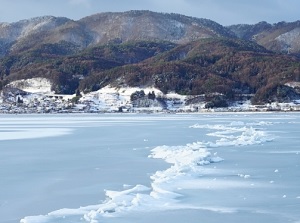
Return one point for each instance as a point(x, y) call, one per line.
point(163, 193)
point(28, 133)
point(186, 171)
point(228, 167)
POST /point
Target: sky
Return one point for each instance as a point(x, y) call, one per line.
point(225, 12)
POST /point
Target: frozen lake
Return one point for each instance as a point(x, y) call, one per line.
point(232, 167)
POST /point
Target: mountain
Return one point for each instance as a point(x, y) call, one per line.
point(281, 37)
point(104, 28)
point(168, 52)
point(227, 66)
point(52, 61)
point(114, 27)
point(25, 34)
point(147, 25)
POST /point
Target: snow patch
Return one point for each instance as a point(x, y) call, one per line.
point(293, 84)
point(33, 85)
point(289, 39)
point(110, 99)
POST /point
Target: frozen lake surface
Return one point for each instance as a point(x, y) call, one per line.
point(232, 167)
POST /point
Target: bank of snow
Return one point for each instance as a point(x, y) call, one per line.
point(111, 99)
point(37, 97)
point(33, 85)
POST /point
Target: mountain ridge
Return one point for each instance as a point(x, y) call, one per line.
point(134, 25)
point(107, 27)
point(281, 37)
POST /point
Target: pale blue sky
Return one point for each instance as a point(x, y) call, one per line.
point(224, 12)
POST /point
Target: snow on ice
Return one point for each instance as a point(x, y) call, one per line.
point(187, 168)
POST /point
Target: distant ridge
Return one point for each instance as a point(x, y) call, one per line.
point(282, 37)
point(135, 25)
point(107, 27)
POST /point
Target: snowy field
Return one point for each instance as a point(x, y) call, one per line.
point(231, 167)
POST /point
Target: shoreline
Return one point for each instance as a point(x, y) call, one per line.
point(149, 112)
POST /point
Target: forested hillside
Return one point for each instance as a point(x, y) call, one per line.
point(171, 52)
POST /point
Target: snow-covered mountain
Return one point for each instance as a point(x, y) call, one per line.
point(119, 27)
point(140, 25)
point(106, 27)
point(25, 33)
point(105, 56)
point(282, 37)
point(147, 25)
